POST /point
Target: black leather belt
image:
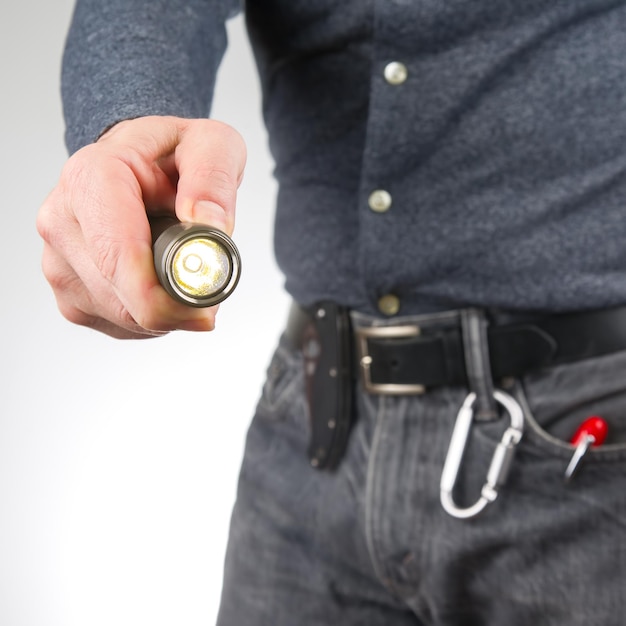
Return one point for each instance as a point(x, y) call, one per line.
point(409, 359)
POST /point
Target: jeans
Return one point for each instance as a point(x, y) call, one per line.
point(370, 543)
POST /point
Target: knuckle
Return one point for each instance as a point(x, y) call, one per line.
point(220, 184)
point(218, 177)
point(56, 212)
point(144, 319)
point(61, 281)
point(58, 281)
point(42, 222)
point(139, 316)
point(126, 320)
point(107, 253)
point(49, 218)
point(233, 138)
point(75, 315)
point(78, 169)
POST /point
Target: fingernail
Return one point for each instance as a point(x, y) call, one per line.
point(206, 212)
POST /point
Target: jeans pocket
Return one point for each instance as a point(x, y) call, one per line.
point(283, 389)
point(557, 401)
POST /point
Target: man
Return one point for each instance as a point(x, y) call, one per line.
point(450, 224)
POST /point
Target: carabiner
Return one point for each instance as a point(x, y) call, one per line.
point(500, 461)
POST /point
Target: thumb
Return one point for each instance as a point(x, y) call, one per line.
point(210, 158)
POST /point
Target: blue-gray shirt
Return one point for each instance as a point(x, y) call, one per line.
point(447, 152)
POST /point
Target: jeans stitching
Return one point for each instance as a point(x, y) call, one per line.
point(372, 508)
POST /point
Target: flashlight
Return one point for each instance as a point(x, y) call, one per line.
point(196, 264)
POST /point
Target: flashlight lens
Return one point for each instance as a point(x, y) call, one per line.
point(196, 264)
point(201, 267)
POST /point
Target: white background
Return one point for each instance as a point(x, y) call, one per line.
point(118, 460)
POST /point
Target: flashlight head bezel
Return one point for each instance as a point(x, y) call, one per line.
point(172, 239)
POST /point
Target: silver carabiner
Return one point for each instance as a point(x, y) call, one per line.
point(500, 461)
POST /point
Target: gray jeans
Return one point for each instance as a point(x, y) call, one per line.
point(370, 543)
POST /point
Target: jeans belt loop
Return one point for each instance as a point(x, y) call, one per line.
point(477, 364)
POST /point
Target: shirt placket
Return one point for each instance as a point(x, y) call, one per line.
point(381, 205)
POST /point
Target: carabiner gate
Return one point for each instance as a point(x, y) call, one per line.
point(500, 461)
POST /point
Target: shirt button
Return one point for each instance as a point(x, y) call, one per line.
point(379, 201)
point(389, 304)
point(395, 73)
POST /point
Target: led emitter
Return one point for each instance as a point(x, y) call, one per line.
point(196, 264)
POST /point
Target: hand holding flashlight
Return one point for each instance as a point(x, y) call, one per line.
point(98, 253)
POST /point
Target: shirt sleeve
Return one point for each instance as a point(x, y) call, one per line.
point(129, 58)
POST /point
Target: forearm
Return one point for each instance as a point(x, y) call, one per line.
point(130, 58)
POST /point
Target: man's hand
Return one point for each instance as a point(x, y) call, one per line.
point(97, 244)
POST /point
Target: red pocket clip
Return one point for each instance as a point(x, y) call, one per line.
point(592, 432)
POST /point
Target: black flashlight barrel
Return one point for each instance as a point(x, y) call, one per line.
point(198, 265)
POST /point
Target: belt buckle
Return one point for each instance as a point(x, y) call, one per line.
point(385, 332)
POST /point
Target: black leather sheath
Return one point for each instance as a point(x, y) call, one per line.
point(329, 379)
